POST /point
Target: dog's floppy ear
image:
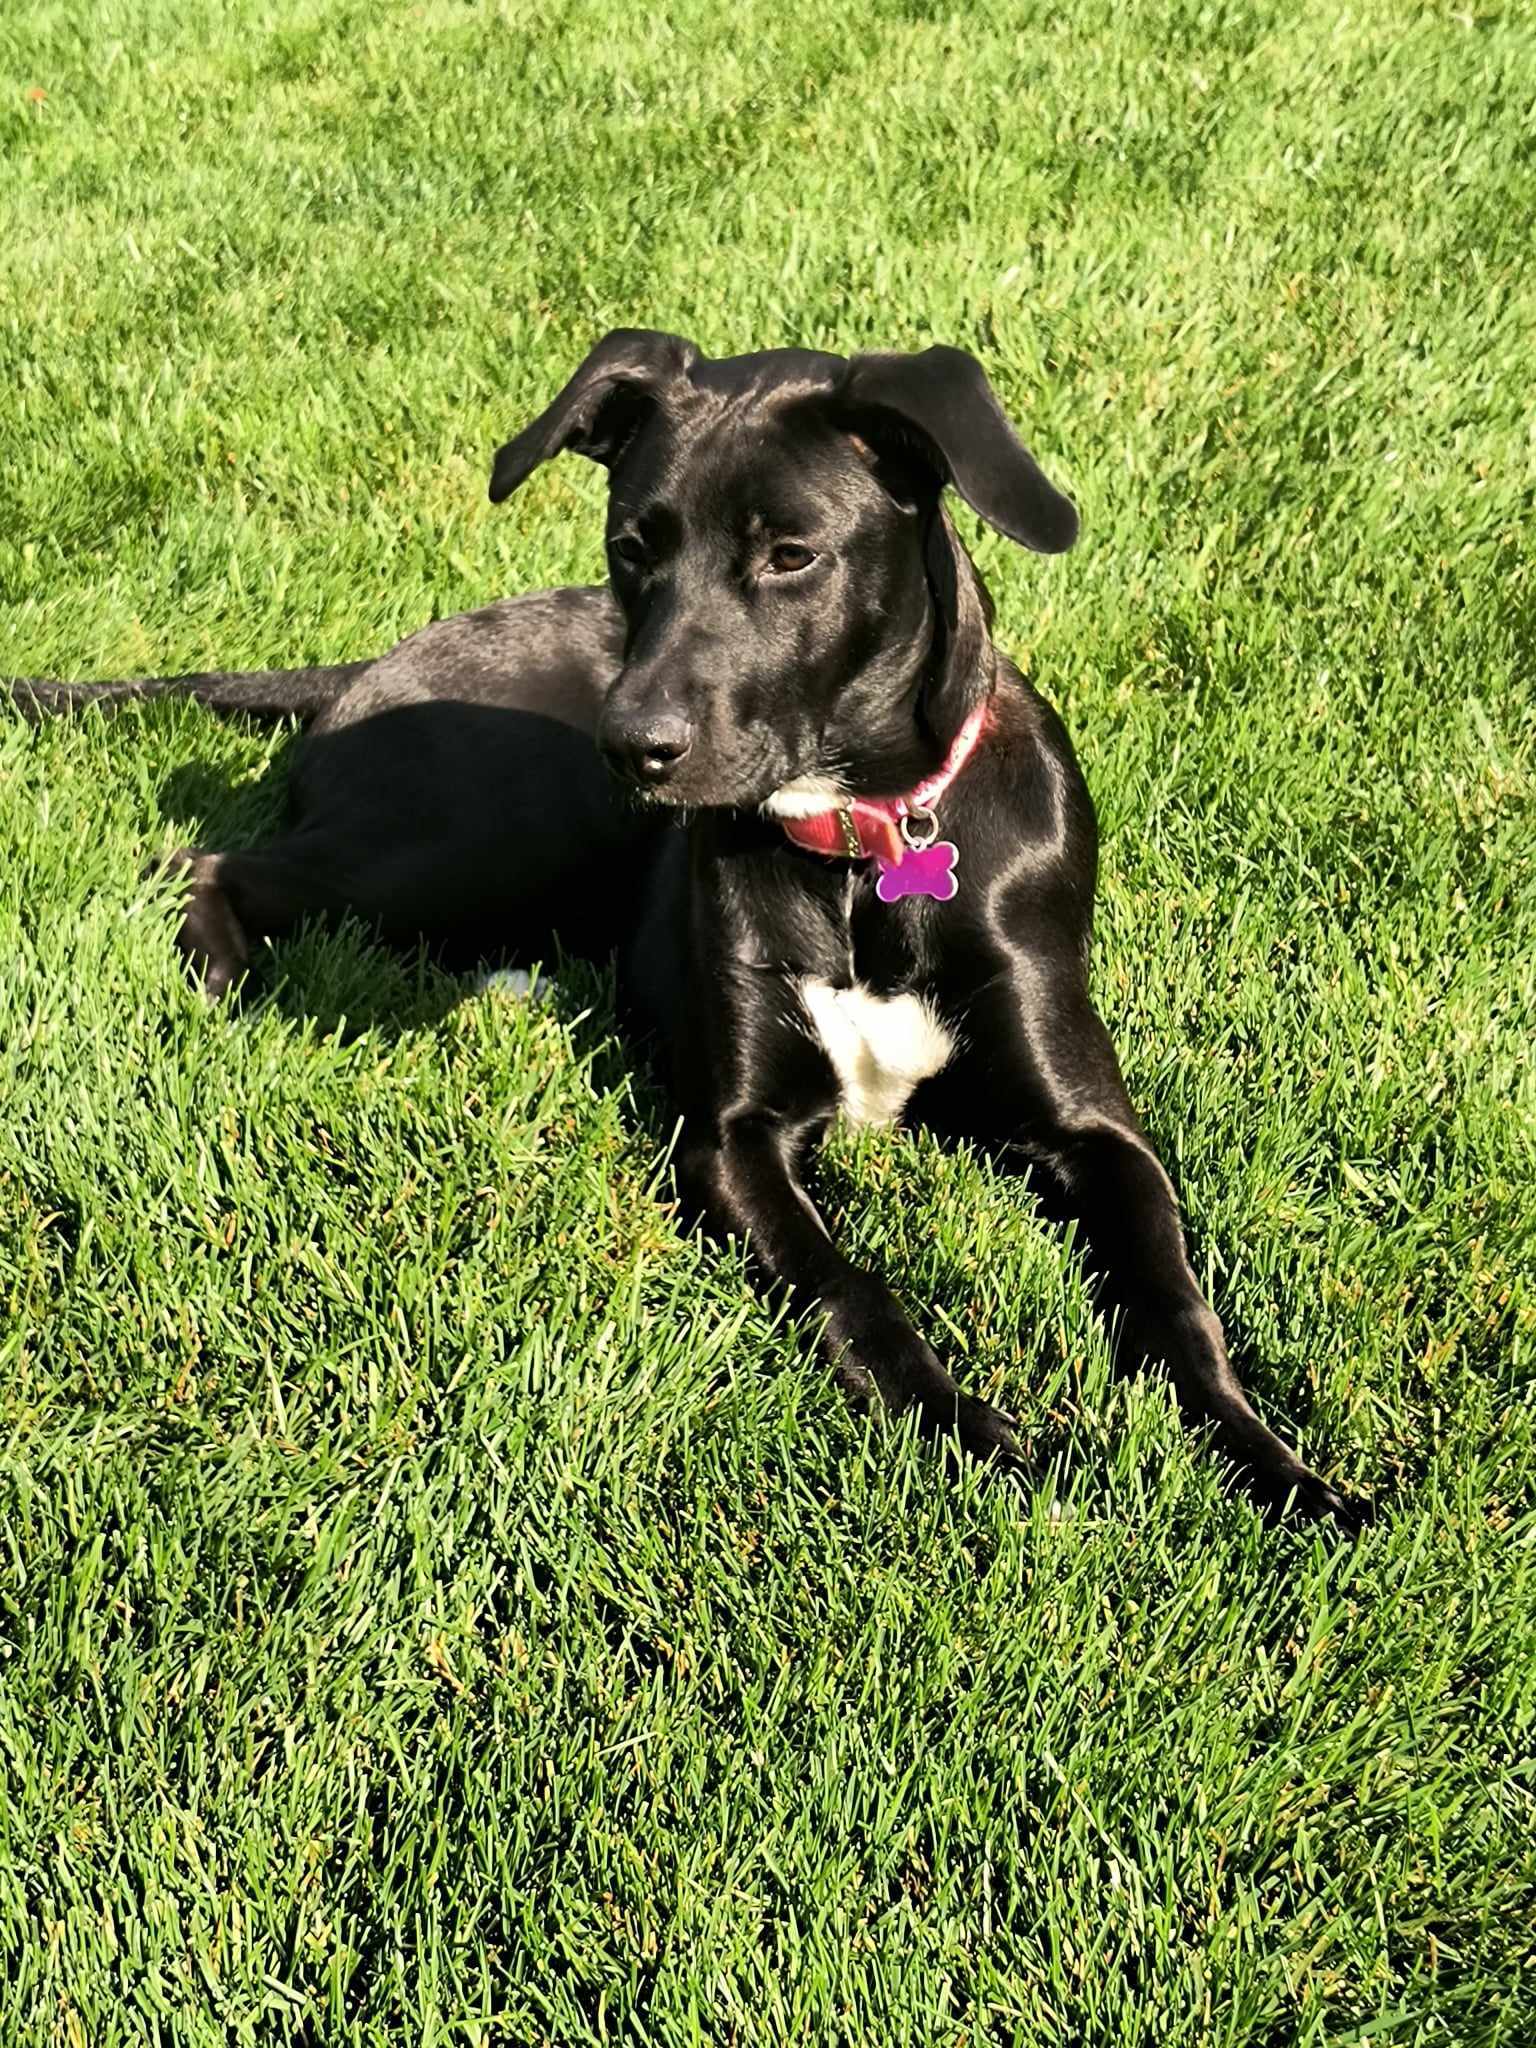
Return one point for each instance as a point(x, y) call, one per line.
point(599, 409)
point(940, 407)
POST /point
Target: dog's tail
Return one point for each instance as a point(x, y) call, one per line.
point(270, 693)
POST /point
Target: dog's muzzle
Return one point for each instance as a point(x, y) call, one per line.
point(648, 749)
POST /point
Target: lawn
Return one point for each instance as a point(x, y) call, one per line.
point(440, 1603)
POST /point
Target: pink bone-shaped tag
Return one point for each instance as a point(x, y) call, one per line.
point(922, 871)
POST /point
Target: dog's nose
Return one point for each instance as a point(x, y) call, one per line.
point(651, 749)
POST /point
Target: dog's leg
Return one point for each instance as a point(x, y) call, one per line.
point(1042, 1092)
point(210, 938)
point(235, 898)
point(744, 1179)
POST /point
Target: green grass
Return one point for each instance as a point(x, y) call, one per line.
point(438, 1602)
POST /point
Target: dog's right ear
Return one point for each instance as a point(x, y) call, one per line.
point(597, 412)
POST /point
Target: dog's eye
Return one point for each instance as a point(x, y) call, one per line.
point(630, 548)
point(789, 556)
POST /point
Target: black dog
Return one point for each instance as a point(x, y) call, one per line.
point(795, 661)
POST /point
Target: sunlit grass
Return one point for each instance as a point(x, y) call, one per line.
point(440, 1603)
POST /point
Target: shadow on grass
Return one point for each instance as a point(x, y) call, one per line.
point(223, 810)
point(342, 979)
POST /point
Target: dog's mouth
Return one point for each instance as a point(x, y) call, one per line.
point(767, 784)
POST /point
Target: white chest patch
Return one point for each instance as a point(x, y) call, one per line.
point(880, 1046)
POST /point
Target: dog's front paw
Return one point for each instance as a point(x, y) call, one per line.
point(1285, 1490)
point(1312, 1499)
point(987, 1433)
point(875, 1350)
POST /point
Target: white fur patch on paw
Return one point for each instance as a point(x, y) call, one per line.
point(515, 982)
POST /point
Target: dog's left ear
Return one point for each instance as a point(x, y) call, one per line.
point(941, 408)
point(599, 409)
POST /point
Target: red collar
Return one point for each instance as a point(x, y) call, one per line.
point(867, 827)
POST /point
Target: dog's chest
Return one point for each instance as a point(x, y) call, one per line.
point(879, 1047)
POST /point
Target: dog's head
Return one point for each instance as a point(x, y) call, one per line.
point(803, 623)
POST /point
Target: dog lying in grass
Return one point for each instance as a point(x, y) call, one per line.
point(842, 848)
